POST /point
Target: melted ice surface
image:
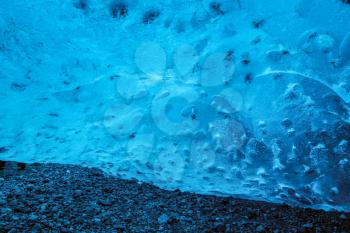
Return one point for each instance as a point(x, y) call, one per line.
point(246, 97)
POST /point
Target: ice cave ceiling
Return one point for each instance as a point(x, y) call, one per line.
point(244, 97)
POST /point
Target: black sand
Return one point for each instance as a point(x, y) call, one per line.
point(66, 198)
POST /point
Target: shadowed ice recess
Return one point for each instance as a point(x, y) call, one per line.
point(242, 97)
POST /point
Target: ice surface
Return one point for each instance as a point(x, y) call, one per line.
point(246, 97)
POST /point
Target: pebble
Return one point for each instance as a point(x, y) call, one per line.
point(260, 228)
point(163, 219)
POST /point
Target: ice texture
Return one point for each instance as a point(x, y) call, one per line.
point(240, 97)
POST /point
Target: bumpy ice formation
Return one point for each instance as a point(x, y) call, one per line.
point(245, 97)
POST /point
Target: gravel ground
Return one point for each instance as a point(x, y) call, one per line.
point(67, 198)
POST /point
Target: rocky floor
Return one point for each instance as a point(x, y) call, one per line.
point(67, 198)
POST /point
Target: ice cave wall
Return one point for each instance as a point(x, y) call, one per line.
point(243, 97)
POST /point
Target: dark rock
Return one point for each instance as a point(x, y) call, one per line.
point(150, 16)
point(287, 123)
point(21, 166)
point(252, 213)
point(119, 10)
point(37, 228)
point(104, 203)
point(219, 227)
point(120, 228)
point(308, 227)
point(173, 220)
point(258, 23)
point(2, 164)
point(81, 4)
point(260, 228)
point(248, 79)
point(215, 7)
point(18, 87)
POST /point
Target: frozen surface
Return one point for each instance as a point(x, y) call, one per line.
point(243, 97)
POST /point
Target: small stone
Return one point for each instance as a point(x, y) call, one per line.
point(104, 203)
point(36, 228)
point(33, 217)
point(55, 209)
point(220, 227)
point(21, 166)
point(97, 220)
point(163, 219)
point(252, 213)
point(15, 217)
point(260, 228)
point(173, 220)
point(307, 225)
point(5, 210)
point(77, 193)
point(120, 228)
point(2, 164)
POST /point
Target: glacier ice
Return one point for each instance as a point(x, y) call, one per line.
point(247, 98)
